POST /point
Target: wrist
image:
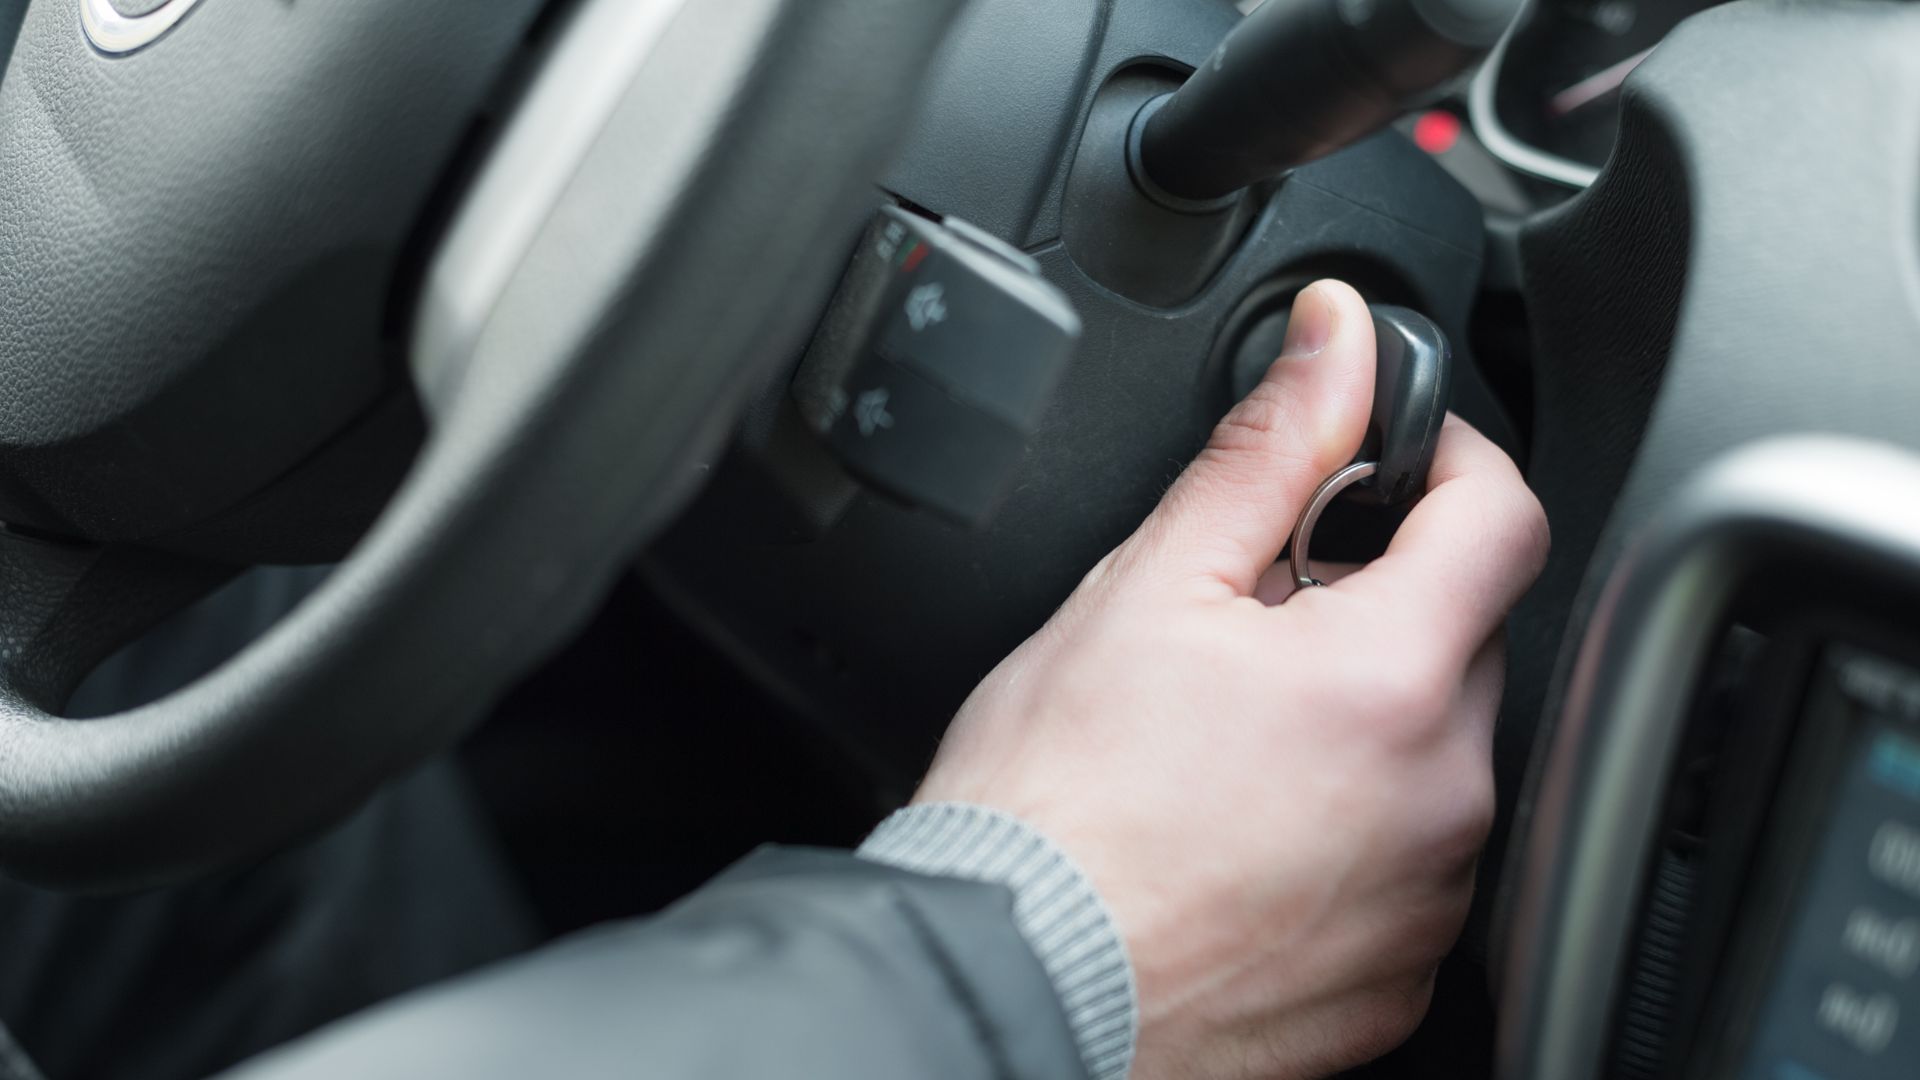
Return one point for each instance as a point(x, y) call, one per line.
point(1055, 907)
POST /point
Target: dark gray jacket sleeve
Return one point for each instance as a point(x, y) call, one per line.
point(792, 964)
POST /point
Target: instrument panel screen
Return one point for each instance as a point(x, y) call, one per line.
point(1844, 999)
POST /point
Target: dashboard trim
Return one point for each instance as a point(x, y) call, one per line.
point(1608, 768)
point(1484, 119)
point(116, 35)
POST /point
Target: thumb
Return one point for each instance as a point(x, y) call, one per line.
point(1229, 515)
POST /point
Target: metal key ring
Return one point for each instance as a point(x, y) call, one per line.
point(1328, 490)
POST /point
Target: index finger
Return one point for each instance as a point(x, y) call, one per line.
point(1468, 551)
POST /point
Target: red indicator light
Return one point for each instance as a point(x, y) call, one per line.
point(1436, 131)
point(914, 258)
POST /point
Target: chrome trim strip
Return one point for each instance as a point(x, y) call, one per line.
point(117, 34)
point(1597, 810)
point(1485, 121)
point(1598, 85)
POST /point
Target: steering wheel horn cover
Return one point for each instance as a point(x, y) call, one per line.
point(115, 34)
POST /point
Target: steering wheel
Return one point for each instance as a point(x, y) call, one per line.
point(235, 236)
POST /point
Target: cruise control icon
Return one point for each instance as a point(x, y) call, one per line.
point(870, 412)
point(927, 306)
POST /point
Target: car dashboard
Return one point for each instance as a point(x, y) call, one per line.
point(1547, 101)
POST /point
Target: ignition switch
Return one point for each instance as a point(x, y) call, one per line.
point(935, 363)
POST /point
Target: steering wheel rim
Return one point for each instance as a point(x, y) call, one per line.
point(704, 218)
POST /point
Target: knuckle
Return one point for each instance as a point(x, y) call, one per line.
point(1479, 804)
point(1135, 564)
point(1264, 431)
point(1533, 534)
point(1414, 692)
point(1393, 1016)
point(1522, 531)
point(1257, 418)
point(1112, 567)
point(1469, 817)
point(1440, 930)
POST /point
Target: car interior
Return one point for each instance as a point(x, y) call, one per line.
point(659, 415)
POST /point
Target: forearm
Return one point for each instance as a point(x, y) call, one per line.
point(1055, 907)
point(793, 963)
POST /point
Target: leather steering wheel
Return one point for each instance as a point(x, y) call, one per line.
point(236, 236)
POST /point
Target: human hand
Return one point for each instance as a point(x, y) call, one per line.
point(1281, 805)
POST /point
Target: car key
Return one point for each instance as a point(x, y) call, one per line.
point(1413, 376)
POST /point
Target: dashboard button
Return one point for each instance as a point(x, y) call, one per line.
point(1893, 856)
point(1889, 944)
point(1865, 1021)
point(908, 437)
point(935, 363)
point(989, 333)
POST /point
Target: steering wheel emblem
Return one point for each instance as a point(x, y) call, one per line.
point(115, 33)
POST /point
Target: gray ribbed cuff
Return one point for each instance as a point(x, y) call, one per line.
point(1054, 906)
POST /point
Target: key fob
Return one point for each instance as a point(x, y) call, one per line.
point(1412, 384)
